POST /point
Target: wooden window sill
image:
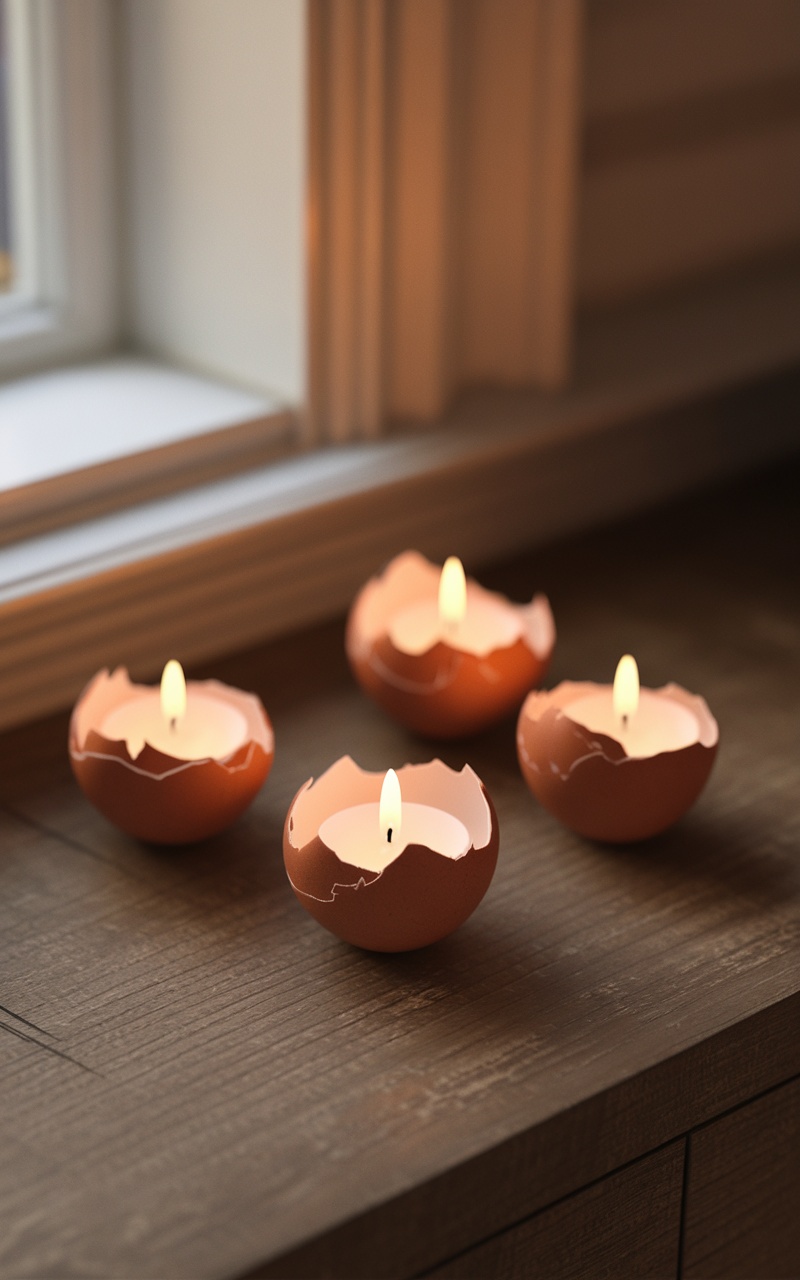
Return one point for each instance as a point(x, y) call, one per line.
point(90, 439)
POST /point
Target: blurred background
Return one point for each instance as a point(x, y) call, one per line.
point(501, 269)
point(366, 206)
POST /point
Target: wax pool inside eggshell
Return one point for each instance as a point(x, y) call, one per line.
point(210, 729)
point(658, 724)
point(354, 834)
point(488, 624)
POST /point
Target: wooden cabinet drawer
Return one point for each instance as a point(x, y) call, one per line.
point(743, 1202)
point(627, 1225)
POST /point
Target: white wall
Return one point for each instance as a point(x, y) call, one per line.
point(213, 180)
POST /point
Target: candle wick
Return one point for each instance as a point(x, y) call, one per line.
point(173, 723)
point(389, 836)
point(625, 721)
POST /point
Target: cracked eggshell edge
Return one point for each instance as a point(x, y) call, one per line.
point(592, 786)
point(157, 797)
point(444, 692)
point(421, 896)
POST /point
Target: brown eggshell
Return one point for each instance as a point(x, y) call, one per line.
point(588, 781)
point(420, 897)
point(157, 797)
point(444, 692)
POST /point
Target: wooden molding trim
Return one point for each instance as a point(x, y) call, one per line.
point(422, 218)
point(347, 41)
point(442, 202)
point(558, 73)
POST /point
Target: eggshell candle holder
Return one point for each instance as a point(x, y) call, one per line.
point(158, 796)
point(455, 685)
point(421, 895)
point(590, 782)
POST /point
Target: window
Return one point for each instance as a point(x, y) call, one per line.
point(446, 182)
point(158, 169)
point(62, 299)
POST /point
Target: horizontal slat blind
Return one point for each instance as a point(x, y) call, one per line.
point(642, 53)
point(517, 134)
point(691, 159)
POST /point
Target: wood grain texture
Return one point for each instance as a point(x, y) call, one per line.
point(198, 1081)
point(626, 1225)
point(443, 158)
point(346, 216)
point(742, 1216)
point(498, 136)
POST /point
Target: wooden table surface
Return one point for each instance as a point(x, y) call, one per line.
point(197, 1080)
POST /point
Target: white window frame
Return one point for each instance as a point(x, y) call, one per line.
point(65, 305)
point(75, 145)
point(212, 150)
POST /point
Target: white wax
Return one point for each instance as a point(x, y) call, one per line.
point(488, 624)
point(354, 834)
point(658, 724)
point(210, 729)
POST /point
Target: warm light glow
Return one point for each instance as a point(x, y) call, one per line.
point(452, 593)
point(173, 692)
point(390, 810)
point(626, 688)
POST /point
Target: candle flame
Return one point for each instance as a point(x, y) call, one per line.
point(173, 692)
point(390, 809)
point(452, 593)
point(626, 688)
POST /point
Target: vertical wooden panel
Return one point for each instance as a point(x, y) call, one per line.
point(342, 196)
point(626, 1225)
point(371, 274)
point(497, 190)
point(419, 261)
point(502, 282)
point(559, 67)
point(316, 248)
point(743, 1198)
point(442, 189)
point(346, 208)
